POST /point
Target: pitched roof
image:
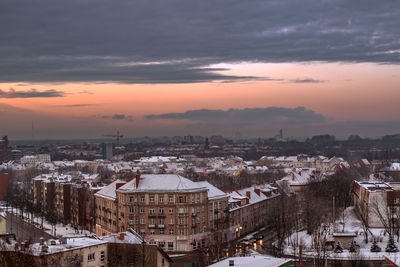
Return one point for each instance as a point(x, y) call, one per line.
point(162, 183)
point(213, 192)
point(109, 190)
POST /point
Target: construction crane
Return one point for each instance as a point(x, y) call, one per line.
point(116, 136)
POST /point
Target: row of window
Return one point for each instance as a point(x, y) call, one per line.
point(198, 198)
point(181, 221)
point(182, 210)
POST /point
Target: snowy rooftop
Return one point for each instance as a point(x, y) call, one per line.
point(55, 246)
point(162, 183)
point(252, 261)
point(129, 237)
point(213, 192)
point(374, 186)
point(109, 190)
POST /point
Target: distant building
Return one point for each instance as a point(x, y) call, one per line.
point(107, 150)
point(16, 155)
point(5, 154)
point(32, 160)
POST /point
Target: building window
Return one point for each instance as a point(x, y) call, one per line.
point(131, 210)
point(152, 231)
point(181, 199)
point(204, 219)
point(160, 199)
point(171, 231)
point(102, 256)
point(171, 221)
point(170, 210)
point(170, 199)
point(161, 231)
point(151, 210)
point(142, 221)
point(161, 210)
point(170, 245)
point(141, 209)
point(142, 199)
point(192, 198)
point(181, 221)
point(198, 209)
point(161, 244)
point(131, 199)
point(90, 257)
point(130, 222)
point(151, 198)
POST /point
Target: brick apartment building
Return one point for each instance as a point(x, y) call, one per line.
point(168, 210)
point(71, 200)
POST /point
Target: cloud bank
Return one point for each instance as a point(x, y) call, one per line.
point(32, 93)
point(177, 41)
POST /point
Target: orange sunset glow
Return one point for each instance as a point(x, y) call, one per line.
point(144, 81)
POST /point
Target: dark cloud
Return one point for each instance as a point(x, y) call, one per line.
point(115, 117)
point(32, 93)
point(176, 41)
point(276, 115)
point(306, 80)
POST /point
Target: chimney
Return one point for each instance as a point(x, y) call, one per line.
point(257, 191)
point(137, 179)
point(248, 195)
point(121, 236)
point(118, 185)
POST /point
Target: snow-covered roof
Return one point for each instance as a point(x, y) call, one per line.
point(162, 183)
point(374, 186)
point(129, 237)
point(71, 244)
point(109, 190)
point(301, 177)
point(213, 192)
point(395, 166)
point(252, 261)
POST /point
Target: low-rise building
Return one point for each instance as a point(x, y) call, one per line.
point(377, 202)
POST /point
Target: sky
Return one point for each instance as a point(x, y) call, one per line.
point(86, 68)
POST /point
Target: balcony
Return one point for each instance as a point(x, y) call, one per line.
point(161, 226)
point(181, 237)
point(152, 226)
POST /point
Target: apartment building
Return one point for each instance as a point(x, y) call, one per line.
point(377, 202)
point(107, 209)
point(72, 200)
point(251, 208)
point(168, 210)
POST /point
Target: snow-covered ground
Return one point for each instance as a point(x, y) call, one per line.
point(352, 225)
point(60, 229)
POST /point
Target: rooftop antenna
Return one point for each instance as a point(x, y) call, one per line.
point(33, 131)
